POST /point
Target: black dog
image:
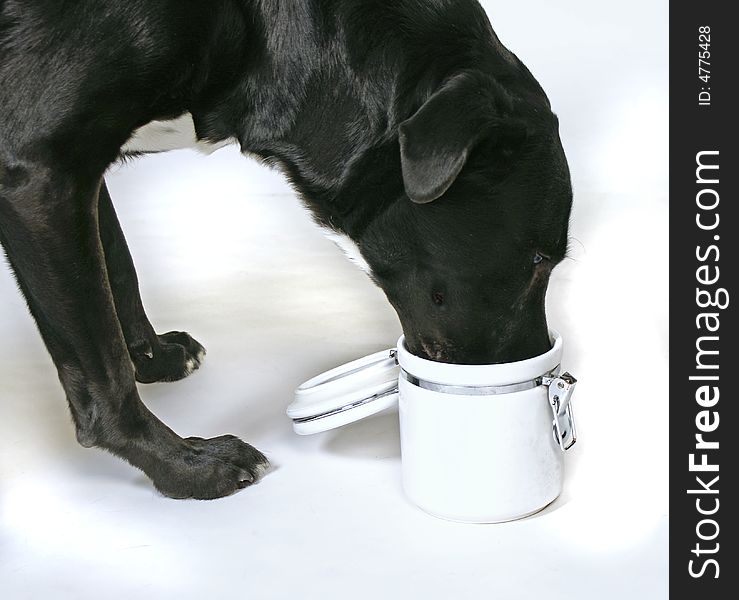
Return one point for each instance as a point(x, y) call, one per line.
point(404, 124)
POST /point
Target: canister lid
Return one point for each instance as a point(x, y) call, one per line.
point(346, 394)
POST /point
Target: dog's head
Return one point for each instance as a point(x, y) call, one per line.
point(465, 259)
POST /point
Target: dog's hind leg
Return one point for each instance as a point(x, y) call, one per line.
point(49, 229)
point(166, 357)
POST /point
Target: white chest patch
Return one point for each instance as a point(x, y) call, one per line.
point(350, 249)
point(160, 136)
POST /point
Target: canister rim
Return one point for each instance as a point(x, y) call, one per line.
point(482, 375)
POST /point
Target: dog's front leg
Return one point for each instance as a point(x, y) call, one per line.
point(166, 357)
point(49, 228)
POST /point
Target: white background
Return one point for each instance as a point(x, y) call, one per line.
point(225, 251)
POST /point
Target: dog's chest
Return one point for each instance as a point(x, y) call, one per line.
point(161, 136)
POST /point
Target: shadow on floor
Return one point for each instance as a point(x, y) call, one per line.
point(376, 437)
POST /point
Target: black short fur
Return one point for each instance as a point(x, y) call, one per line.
point(405, 124)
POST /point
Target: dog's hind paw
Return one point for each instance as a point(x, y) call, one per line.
point(175, 356)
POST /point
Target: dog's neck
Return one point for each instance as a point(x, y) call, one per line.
point(319, 89)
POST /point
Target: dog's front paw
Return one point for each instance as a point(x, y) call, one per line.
point(212, 468)
point(173, 357)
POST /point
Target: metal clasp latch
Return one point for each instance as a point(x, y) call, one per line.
point(560, 393)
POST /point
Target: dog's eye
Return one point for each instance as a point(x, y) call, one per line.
point(438, 298)
point(539, 258)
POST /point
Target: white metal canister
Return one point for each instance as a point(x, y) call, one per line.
point(480, 443)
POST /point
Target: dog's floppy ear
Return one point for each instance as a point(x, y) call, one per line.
point(436, 141)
